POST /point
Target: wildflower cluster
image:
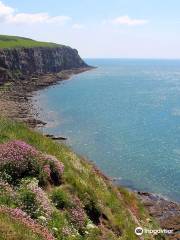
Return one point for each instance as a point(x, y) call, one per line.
point(33, 200)
point(54, 169)
point(19, 159)
point(77, 215)
point(41, 198)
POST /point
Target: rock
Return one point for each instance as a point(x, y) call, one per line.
point(166, 212)
point(34, 122)
point(18, 63)
point(4, 75)
point(32, 69)
point(55, 138)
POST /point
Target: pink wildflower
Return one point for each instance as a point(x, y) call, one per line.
point(19, 159)
point(47, 170)
point(58, 165)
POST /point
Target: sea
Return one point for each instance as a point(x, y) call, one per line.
point(124, 116)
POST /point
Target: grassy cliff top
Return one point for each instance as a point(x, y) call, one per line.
point(83, 206)
point(19, 42)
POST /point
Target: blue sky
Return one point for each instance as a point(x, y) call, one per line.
point(99, 28)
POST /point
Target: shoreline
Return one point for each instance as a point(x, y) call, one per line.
point(16, 96)
point(15, 103)
point(165, 211)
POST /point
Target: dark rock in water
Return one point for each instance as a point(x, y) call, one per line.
point(166, 212)
point(55, 138)
point(34, 122)
point(17, 63)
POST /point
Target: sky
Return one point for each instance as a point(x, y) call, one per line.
point(98, 28)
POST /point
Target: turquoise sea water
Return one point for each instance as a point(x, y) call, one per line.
point(125, 117)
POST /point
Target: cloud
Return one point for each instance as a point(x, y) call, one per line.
point(5, 10)
point(36, 18)
point(9, 15)
point(126, 20)
point(78, 26)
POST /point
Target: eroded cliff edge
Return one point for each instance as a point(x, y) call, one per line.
point(19, 63)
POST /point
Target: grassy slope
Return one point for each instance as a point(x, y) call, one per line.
point(121, 208)
point(17, 42)
point(13, 230)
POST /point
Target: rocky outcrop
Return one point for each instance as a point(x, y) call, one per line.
point(166, 212)
point(18, 63)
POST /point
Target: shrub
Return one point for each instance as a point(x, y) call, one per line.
point(60, 198)
point(55, 170)
point(93, 211)
point(28, 203)
point(34, 200)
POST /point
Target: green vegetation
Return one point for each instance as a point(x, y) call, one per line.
point(19, 42)
point(84, 205)
point(11, 229)
point(60, 198)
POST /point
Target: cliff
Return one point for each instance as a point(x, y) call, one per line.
point(29, 57)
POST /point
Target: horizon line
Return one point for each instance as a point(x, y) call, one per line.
point(131, 58)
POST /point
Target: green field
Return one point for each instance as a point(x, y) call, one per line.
point(20, 42)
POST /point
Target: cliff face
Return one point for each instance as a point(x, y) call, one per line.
point(18, 62)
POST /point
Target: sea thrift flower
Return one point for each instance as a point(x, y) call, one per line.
point(47, 170)
point(78, 217)
point(19, 159)
point(16, 158)
point(58, 165)
point(77, 214)
point(16, 150)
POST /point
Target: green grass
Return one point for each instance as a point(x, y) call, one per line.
point(80, 179)
point(11, 229)
point(19, 42)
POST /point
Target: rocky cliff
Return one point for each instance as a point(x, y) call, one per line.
point(16, 63)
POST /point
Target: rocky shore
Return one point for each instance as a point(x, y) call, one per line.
point(166, 212)
point(16, 96)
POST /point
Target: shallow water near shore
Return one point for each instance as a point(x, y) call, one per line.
point(125, 117)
